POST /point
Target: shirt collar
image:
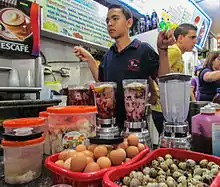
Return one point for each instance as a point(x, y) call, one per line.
point(134, 44)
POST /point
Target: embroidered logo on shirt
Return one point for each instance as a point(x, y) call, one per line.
point(134, 65)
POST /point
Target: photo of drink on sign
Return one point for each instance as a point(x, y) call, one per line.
point(20, 27)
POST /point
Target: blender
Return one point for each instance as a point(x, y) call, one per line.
point(107, 131)
point(135, 99)
point(175, 99)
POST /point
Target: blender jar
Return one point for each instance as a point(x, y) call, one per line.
point(135, 97)
point(80, 95)
point(175, 96)
point(105, 99)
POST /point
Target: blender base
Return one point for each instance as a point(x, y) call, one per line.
point(172, 142)
point(98, 140)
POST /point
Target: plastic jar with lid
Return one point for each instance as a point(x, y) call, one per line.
point(47, 147)
point(22, 160)
point(37, 125)
point(70, 126)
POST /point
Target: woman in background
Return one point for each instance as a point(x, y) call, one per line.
point(194, 92)
point(209, 77)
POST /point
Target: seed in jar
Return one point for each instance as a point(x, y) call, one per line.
point(133, 174)
point(197, 171)
point(164, 166)
point(135, 182)
point(155, 163)
point(176, 175)
point(153, 184)
point(161, 178)
point(162, 184)
point(161, 172)
point(210, 164)
point(214, 171)
point(207, 179)
point(182, 179)
point(169, 161)
point(160, 159)
point(203, 163)
point(146, 179)
point(146, 171)
point(173, 168)
point(126, 180)
point(153, 172)
point(182, 165)
point(139, 176)
point(190, 163)
point(168, 156)
point(197, 178)
point(168, 172)
point(215, 166)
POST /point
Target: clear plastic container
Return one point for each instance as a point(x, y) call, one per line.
point(22, 160)
point(47, 147)
point(37, 125)
point(70, 126)
point(135, 97)
point(105, 99)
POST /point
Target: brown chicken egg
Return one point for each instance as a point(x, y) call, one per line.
point(88, 153)
point(117, 156)
point(133, 140)
point(100, 151)
point(89, 159)
point(132, 151)
point(59, 163)
point(80, 148)
point(63, 155)
point(123, 145)
point(140, 147)
point(91, 167)
point(78, 162)
point(71, 153)
point(104, 162)
point(67, 163)
point(92, 147)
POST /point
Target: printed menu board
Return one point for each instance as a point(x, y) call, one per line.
point(83, 19)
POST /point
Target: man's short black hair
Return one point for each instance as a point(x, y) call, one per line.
point(125, 10)
point(184, 29)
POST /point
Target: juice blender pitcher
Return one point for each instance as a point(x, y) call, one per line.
point(175, 96)
point(175, 99)
point(135, 99)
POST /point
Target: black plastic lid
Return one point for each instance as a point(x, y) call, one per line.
point(98, 140)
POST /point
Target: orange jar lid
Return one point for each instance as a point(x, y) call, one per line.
point(72, 109)
point(44, 114)
point(23, 122)
point(21, 143)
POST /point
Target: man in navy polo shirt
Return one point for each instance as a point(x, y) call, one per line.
point(127, 59)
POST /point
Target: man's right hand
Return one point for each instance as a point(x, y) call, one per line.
point(82, 53)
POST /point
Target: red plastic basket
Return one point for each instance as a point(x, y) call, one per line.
point(116, 174)
point(78, 179)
